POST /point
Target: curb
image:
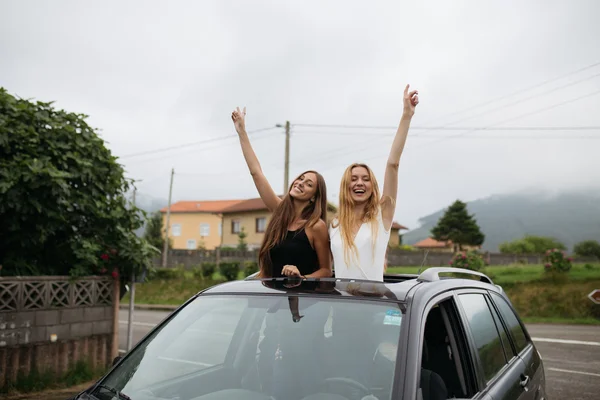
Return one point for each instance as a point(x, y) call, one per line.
point(150, 307)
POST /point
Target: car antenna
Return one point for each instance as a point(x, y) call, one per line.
point(423, 263)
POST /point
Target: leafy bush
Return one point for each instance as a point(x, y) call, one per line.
point(468, 260)
point(250, 268)
point(587, 248)
point(64, 197)
point(531, 244)
point(168, 274)
point(555, 261)
point(208, 269)
point(229, 270)
point(406, 247)
point(197, 272)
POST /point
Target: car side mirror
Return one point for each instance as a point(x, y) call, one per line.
point(116, 360)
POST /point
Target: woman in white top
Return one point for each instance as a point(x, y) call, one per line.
point(360, 232)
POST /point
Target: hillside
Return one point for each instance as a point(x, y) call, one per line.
point(569, 216)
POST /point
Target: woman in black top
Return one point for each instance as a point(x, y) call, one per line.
point(296, 241)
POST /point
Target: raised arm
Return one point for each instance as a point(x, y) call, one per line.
point(265, 190)
point(390, 182)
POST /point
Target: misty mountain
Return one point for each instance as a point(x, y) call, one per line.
point(568, 216)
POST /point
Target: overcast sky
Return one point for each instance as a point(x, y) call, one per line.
point(155, 74)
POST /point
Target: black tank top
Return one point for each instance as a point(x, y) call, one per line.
point(295, 249)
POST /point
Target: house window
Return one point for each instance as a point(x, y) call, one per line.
point(235, 226)
point(204, 230)
point(191, 244)
point(261, 225)
point(221, 229)
point(176, 230)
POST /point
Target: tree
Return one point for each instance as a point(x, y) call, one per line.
point(459, 227)
point(531, 244)
point(63, 201)
point(242, 245)
point(154, 231)
point(587, 248)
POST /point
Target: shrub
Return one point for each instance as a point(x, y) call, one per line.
point(468, 260)
point(250, 268)
point(229, 270)
point(555, 261)
point(197, 272)
point(208, 269)
point(587, 248)
point(167, 274)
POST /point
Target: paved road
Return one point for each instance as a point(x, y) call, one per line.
point(571, 354)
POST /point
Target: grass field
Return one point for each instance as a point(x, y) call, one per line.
point(536, 298)
point(519, 273)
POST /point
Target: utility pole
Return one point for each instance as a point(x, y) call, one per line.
point(286, 178)
point(166, 246)
point(131, 299)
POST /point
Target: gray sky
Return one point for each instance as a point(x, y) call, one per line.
point(158, 74)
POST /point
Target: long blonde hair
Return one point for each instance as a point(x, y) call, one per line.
point(345, 216)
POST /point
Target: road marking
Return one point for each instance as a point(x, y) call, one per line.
point(564, 341)
point(573, 372)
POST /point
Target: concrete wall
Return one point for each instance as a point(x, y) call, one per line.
point(51, 323)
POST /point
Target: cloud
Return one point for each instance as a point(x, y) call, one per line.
point(153, 74)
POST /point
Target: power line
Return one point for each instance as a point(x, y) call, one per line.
point(529, 88)
point(456, 128)
point(186, 145)
point(526, 99)
point(484, 103)
point(489, 128)
point(255, 138)
point(526, 114)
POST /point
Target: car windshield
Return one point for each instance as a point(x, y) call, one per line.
point(265, 347)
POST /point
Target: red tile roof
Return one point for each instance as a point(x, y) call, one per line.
point(396, 225)
point(247, 205)
point(199, 206)
point(431, 242)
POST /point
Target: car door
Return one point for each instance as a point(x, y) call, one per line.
point(501, 374)
point(522, 346)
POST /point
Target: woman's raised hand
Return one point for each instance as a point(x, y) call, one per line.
point(239, 119)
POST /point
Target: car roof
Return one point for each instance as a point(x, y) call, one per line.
point(393, 288)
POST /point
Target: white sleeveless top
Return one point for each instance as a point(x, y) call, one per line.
point(371, 259)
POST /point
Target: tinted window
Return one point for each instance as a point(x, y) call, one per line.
point(485, 334)
point(516, 331)
point(508, 352)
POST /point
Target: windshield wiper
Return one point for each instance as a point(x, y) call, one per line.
point(120, 396)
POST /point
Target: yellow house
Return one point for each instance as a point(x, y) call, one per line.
point(217, 223)
point(196, 224)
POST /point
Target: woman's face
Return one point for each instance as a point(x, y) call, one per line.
point(360, 186)
point(304, 187)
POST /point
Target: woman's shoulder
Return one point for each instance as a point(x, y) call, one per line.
point(319, 227)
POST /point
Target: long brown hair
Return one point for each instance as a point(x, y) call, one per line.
point(284, 215)
point(345, 217)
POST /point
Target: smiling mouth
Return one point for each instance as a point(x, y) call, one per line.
point(298, 188)
point(358, 191)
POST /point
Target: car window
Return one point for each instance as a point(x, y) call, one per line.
point(268, 344)
point(508, 352)
point(485, 334)
point(509, 317)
